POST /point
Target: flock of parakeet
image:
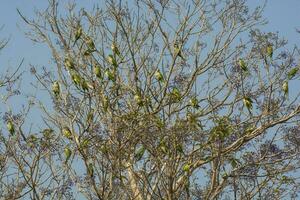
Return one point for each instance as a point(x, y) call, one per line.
point(175, 94)
point(285, 85)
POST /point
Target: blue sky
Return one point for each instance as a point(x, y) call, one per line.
point(283, 16)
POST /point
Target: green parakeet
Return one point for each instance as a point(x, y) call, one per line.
point(175, 94)
point(56, 89)
point(243, 65)
point(69, 64)
point(111, 60)
point(115, 49)
point(84, 84)
point(285, 88)
point(90, 169)
point(78, 34)
point(10, 127)
point(97, 71)
point(248, 103)
point(163, 146)
point(179, 148)
point(105, 103)
point(47, 133)
point(76, 78)
point(194, 102)
point(84, 144)
point(90, 44)
point(138, 99)
point(88, 52)
point(68, 153)
point(90, 116)
point(177, 50)
point(186, 167)
point(67, 132)
point(158, 75)
point(292, 73)
point(139, 154)
point(233, 163)
point(110, 75)
point(270, 51)
point(31, 140)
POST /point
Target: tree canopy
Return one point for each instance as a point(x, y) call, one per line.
point(148, 99)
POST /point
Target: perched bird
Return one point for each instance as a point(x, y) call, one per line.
point(78, 34)
point(90, 116)
point(194, 102)
point(76, 78)
point(68, 153)
point(111, 60)
point(88, 52)
point(248, 103)
point(292, 73)
point(69, 64)
point(110, 75)
point(97, 71)
point(10, 127)
point(84, 84)
point(186, 167)
point(175, 94)
point(163, 146)
point(138, 99)
point(285, 88)
point(158, 75)
point(270, 50)
point(56, 89)
point(242, 65)
point(139, 154)
point(115, 49)
point(90, 169)
point(47, 133)
point(67, 132)
point(105, 103)
point(90, 44)
point(179, 148)
point(84, 143)
point(177, 50)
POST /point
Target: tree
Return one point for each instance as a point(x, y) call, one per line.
point(159, 100)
